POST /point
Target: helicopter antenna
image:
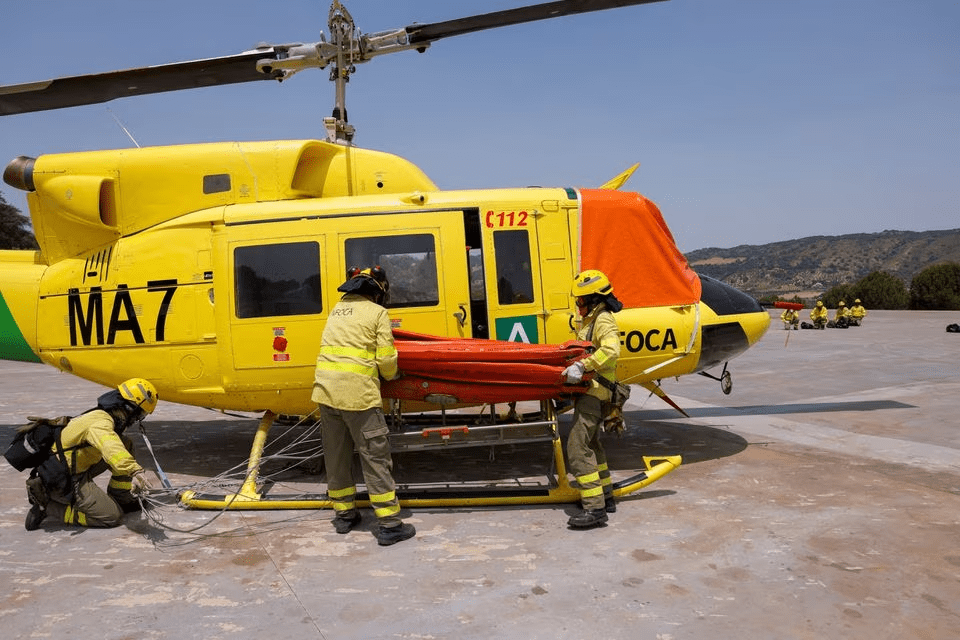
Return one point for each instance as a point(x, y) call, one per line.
point(120, 124)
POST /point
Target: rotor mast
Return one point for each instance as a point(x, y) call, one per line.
point(343, 34)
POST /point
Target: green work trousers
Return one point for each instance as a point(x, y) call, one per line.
point(585, 454)
point(367, 432)
point(92, 506)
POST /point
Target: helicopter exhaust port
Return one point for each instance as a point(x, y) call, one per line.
point(19, 173)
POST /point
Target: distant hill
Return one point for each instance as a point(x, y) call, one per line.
point(809, 266)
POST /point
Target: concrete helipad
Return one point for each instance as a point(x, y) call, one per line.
point(821, 499)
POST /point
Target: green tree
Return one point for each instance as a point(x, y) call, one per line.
point(836, 294)
point(881, 290)
point(14, 228)
point(936, 287)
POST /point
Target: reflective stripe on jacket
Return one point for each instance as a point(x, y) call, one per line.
point(355, 351)
point(600, 327)
point(96, 429)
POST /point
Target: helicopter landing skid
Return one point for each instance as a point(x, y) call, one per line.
point(426, 436)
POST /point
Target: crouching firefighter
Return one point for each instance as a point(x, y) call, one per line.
point(588, 461)
point(62, 488)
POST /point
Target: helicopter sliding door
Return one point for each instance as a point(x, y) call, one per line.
point(277, 302)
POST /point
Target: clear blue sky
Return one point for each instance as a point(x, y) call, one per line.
point(754, 121)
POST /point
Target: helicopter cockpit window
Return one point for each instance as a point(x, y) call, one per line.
point(514, 274)
point(277, 279)
point(410, 262)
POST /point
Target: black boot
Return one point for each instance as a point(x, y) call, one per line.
point(609, 504)
point(587, 519)
point(37, 495)
point(346, 520)
point(393, 535)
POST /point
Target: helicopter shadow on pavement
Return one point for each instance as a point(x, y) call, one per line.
point(205, 449)
point(646, 437)
point(199, 450)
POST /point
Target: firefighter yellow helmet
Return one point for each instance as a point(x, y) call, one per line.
point(841, 304)
point(819, 303)
point(589, 282)
point(140, 392)
point(857, 301)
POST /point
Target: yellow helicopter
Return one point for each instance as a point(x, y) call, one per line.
point(209, 268)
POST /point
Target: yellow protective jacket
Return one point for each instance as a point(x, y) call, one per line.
point(355, 351)
point(858, 311)
point(818, 312)
point(600, 328)
point(96, 430)
point(789, 315)
point(842, 312)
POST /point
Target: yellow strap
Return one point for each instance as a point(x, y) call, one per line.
point(389, 496)
point(350, 352)
point(114, 459)
point(361, 369)
point(341, 493)
point(589, 493)
point(72, 516)
point(383, 512)
point(590, 477)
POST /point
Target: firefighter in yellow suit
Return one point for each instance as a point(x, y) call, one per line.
point(818, 315)
point(64, 487)
point(588, 461)
point(857, 313)
point(355, 351)
point(790, 318)
point(842, 315)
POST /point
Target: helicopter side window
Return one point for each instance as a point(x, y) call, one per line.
point(277, 279)
point(514, 274)
point(410, 262)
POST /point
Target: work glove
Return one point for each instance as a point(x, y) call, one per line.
point(139, 484)
point(574, 373)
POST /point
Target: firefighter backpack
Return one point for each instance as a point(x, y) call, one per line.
point(34, 442)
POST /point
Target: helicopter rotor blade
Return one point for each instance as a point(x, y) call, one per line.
point(95, 88)
point(420, 34)
point(272, 62)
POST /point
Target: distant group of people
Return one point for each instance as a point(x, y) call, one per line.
point(819, 318)
point(356, 351)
